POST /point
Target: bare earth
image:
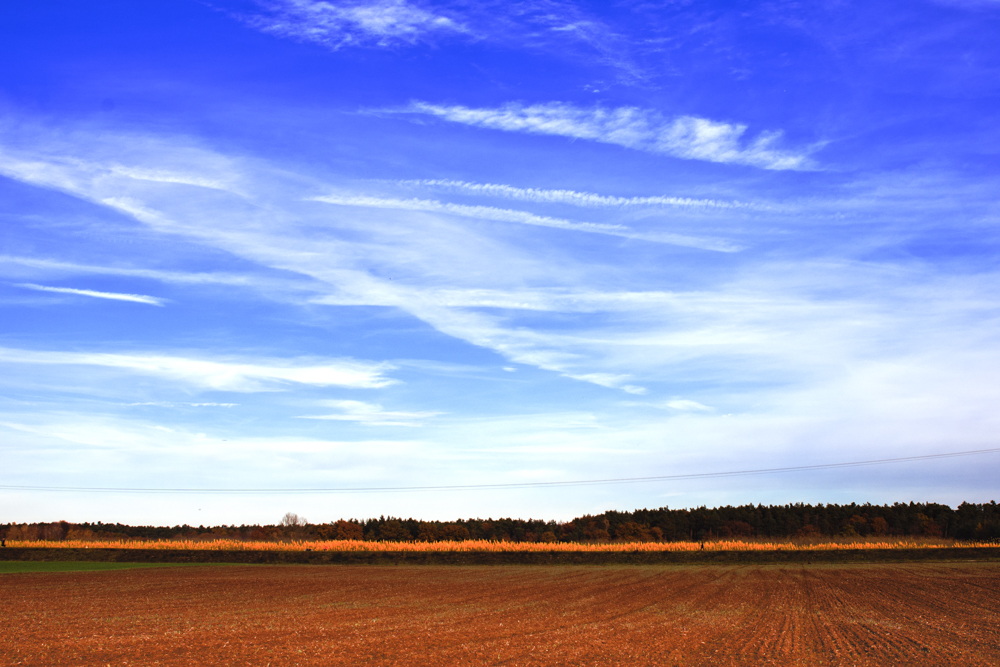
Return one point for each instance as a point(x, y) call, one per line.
point(923, 614)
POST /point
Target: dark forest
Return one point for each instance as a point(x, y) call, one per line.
point(928, 520)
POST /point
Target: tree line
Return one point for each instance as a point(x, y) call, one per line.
point(968, 521)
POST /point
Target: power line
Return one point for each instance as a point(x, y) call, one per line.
point(512, 485)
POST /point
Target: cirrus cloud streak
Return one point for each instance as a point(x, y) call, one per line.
point(370, 414)
point(242, 376)
point(575, 198)
point(686, 137)
point(525, 218)
point(114, 296)
point(336, 25)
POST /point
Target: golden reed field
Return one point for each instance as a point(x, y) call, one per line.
point(492, 546)
point(688, 615)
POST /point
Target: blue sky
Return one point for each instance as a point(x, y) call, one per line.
point(301, 244)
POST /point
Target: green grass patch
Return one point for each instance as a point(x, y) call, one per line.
point(21, 566)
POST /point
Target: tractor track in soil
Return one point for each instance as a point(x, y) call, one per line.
point(920, 613)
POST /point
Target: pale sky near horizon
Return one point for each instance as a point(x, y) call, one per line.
point(299, 244)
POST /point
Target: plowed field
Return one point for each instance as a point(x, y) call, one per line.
point(940, 614)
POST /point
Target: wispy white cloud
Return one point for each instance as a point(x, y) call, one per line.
point(529, 300)
point(338, 24)
point(686, 405)
point(753, 321)
point(370, 414)
point(167, 404)
point(610, 380)
point(181, 166)
point(168, 176)
point(441, 270)
point(563, 29)
point(574, 198)
point(219, 375)
point(526, 218)
point(114, 296)
point(685, 137)
point(11, 264)
point(101, 438)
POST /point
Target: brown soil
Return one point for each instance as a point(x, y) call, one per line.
point(944, 614)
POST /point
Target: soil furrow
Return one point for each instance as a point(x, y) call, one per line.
point(929, 614)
